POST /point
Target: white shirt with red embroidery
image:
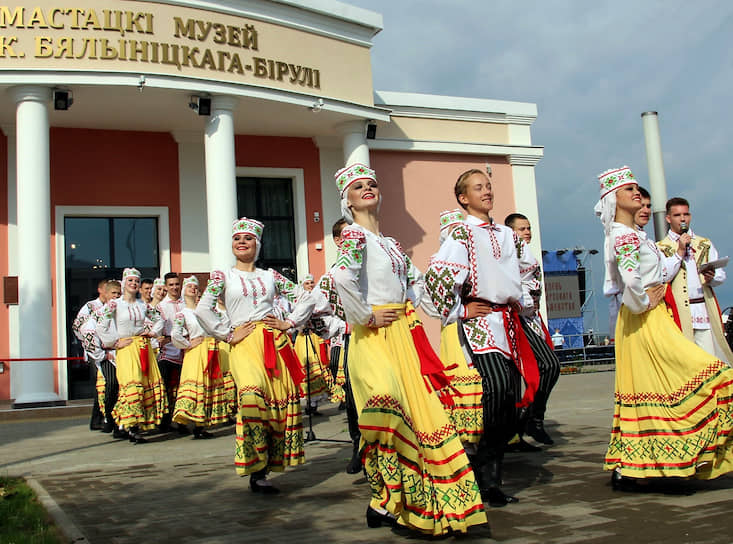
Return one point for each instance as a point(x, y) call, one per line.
point(248, 296)
point(640, 265)
point(484, 261)
point(186, 327)
point(372, 270)
point(168, 309)
point(123, 320)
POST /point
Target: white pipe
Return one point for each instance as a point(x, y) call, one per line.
point(655, 164)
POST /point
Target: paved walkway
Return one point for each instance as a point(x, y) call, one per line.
point(185, 491)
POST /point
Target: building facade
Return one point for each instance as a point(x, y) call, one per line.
point(133, 133)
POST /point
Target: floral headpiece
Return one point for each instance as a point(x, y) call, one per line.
point(130, 272)
point(158, 282)
point(615, 178)
point(190, 280)
point(248, 226)
point(348, 175)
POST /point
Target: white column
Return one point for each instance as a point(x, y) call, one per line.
point(655, 163)
point(33, 382)
point(354, 142)
point(221, 181)
point(192, 189)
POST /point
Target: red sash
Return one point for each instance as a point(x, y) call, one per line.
point(522, 354)
point(144, 358)
point(284, 348)
point(213, 368)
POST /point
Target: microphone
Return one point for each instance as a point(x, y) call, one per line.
point(684, 229)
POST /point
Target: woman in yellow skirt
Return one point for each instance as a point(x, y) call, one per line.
point(126, 325)
point(266, 371)
point(312, 351)
point(673, 402)
point(419, 474)
point(467, 412)
point(201, 397)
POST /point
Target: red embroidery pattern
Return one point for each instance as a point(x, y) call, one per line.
point(390, 403)
point(675, 396)
point(253, 287)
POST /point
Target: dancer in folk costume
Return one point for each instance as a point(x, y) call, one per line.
point(121, 324)
point(170, 358)
point(312, 350)
point(539, 337)
point(106, 386)
point(467, 413)
point(269, 431)
point(475, 279)
point(342, 391)
point(673, 409)
point(419, 475)
point(201, 397)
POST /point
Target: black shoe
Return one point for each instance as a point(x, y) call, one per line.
point(473, 532)
point(354, 466)
point(497, 498)
point(182, 430)
point(136, 438)
point(108, 427)
point(522, 446)
point(374, 519)
point(536, 429)
point(622, 483)
point(96, 426)
point(264, 489)
point(120, 433)
point(200, 435)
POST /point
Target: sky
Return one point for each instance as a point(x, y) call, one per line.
point(592, 68)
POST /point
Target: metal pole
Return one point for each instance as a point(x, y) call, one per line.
point(655, 164)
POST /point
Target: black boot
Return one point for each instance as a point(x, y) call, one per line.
point(259, 488)
point(536, 429)
point(491, 492)
point(355, 466)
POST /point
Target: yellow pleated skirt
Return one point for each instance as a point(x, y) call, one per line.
point(468, 413)
point(201, 397)
point(100, 387)
point(142, 400)
point(308, 349)
point(413, 457)
point(230, 389)
point(338, 394)
point(269, 427)
point(673, 402)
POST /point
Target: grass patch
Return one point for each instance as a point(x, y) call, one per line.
point(23, 520)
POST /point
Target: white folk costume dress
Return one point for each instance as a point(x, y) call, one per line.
point(266, 371)
point(413, 458)
point(142, 401)
point(673, 409)
point(202, 394)
point(692, 303)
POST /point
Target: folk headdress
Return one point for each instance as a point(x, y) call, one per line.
point(193, 280)
point(449, 218)
point(130, 272)
point(345, 178)
point(610, 182)
point(248, 226)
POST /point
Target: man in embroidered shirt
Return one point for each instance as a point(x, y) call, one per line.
point(690, 293)
point(170, 358)
point(538, 336)
point(475, 279)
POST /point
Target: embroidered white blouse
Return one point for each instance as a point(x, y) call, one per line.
point(372, 270)
point(248, 296)
point(640, 265)
point(123, 320)
point(185, 328)
point(168, 309)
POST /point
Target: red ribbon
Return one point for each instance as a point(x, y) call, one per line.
point(431, 367)
point(144, 358)
point(286, 352)
point(213, 368)
point(270, 352)
point(292, 363)
point(548, 336)
point(672, 305)
point(522, 354)
point(323, 350)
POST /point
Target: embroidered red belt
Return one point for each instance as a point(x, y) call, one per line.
point(697, 300)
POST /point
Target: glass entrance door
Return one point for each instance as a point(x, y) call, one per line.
point(270, 200)
point(99, 248)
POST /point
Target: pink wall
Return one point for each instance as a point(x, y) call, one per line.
point(417, 186)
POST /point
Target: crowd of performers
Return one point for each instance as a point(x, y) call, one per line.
point(429, 430)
